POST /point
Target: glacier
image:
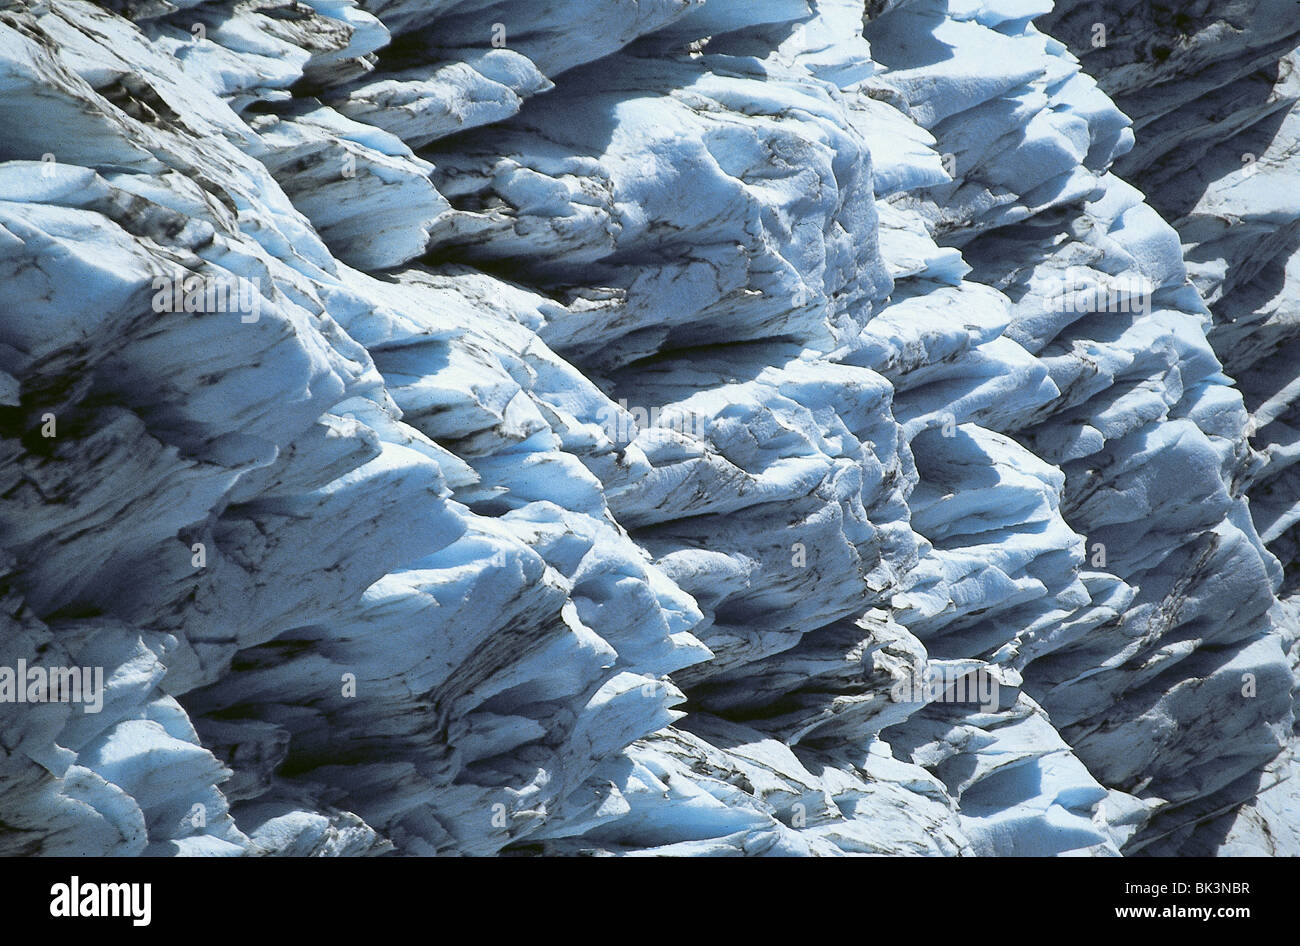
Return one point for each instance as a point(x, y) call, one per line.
point(505, 426)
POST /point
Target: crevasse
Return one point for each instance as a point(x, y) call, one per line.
point(622, 402)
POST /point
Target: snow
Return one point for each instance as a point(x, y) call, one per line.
point(634, 399)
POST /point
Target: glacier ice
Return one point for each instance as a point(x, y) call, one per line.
point(481, 426)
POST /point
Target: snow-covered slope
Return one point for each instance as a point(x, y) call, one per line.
point(467, 425)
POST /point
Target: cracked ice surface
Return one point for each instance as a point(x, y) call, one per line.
point(634, 396)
